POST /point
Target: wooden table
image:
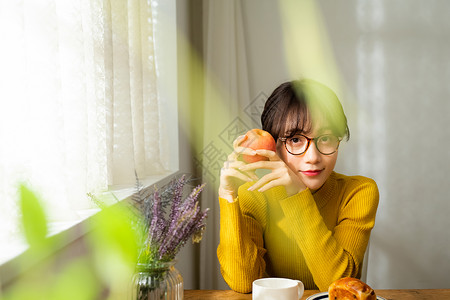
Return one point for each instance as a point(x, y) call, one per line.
point(430, 294)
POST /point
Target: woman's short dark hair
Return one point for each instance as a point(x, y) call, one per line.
point(295, 105)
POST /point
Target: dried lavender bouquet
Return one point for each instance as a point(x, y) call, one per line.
point(169, 220)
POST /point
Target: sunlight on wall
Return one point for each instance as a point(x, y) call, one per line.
point(308, 51)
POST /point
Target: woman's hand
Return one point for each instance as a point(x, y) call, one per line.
point(231, 177)
point(281, 174)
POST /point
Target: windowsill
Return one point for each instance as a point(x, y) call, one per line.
point(13, 254)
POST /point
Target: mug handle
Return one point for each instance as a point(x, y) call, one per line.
point(301, 289)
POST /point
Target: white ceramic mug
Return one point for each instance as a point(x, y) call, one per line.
point(277, 289)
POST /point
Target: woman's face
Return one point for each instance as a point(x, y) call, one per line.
point(312, 167)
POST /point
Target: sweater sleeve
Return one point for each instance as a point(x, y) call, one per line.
point(241, 248)
point(332, 254)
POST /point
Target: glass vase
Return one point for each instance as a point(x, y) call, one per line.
point(156, 281)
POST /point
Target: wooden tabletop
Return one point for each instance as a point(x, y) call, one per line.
point(387, 294)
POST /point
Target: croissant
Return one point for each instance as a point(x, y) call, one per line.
point(350, 289)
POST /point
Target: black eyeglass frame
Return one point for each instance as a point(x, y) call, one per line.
point(309, 143)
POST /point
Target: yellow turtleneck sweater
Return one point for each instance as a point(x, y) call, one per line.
point(316, 238)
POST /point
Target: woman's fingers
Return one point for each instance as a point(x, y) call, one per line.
point(271, 184)
point(232, 162)
point(266, 179)
point(280, 176)
point(235, 173)
point(231, 168)
point(268, 153)
point(239, 140)
point(262, 164)
point(239, 151)
point(244, 150)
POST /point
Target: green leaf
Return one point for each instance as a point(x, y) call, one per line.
point(114, 242)
point(76, 282)
point(33, 217)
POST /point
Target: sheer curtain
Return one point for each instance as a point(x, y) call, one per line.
point(79, 107)
point(226, 94)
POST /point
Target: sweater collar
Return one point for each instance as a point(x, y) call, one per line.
point(326, 191)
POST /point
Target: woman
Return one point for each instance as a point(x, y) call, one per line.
point(301, 220)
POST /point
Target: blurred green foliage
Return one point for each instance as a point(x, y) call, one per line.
point(103, 270)
point(33, 218)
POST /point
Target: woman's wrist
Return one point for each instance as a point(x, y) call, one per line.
point(227, 195)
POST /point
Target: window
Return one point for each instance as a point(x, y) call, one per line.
point(87, 97)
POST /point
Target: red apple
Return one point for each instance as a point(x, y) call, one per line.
point(257, 139)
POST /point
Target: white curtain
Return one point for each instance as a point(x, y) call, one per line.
point(79, 105)
point(226, 96)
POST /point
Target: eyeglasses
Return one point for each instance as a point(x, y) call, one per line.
point(298, 144)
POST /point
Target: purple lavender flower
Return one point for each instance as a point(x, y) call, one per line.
point(177, 198)
point(157, 225)
point(180, 229)
point(167, 232)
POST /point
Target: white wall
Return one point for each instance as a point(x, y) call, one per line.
point(394, 58)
